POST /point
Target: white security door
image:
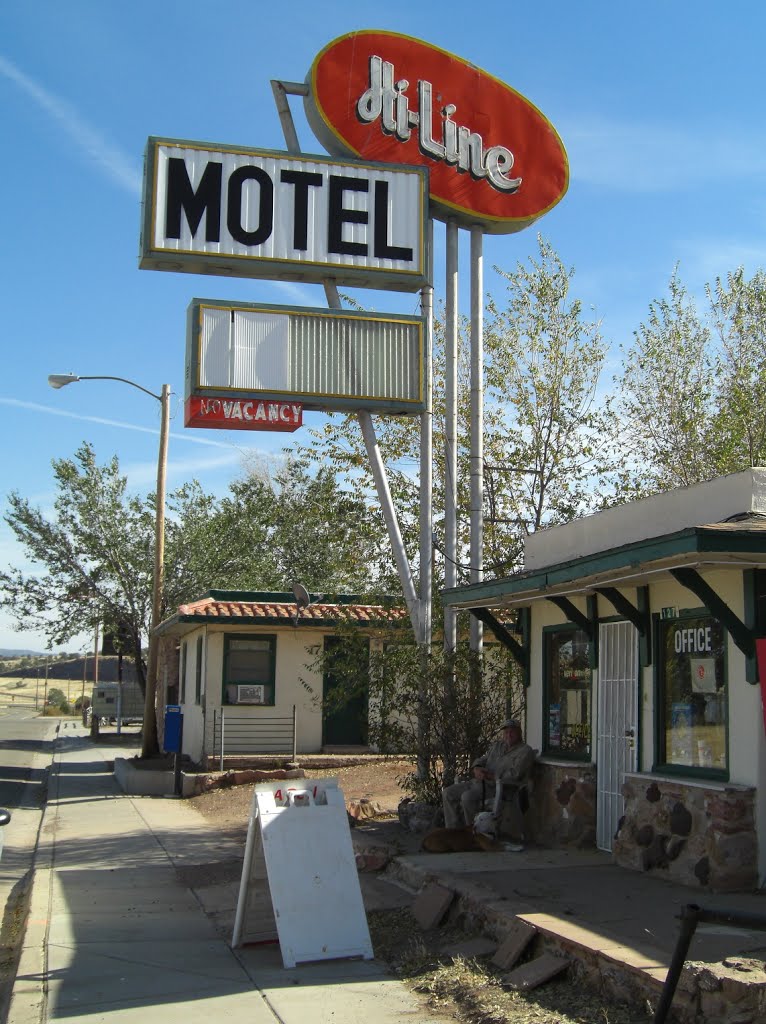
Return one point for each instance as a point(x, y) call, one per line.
point(617, 723)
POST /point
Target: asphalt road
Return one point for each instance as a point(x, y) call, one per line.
point(26, 753)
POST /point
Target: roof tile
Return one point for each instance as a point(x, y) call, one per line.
point(208, 607)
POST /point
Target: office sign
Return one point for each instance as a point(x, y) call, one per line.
point(242, 356)
point(237, 212)
point(494, 159)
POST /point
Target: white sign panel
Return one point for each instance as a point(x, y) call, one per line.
point(235, 212)
point(299, 877)
point(324, 359)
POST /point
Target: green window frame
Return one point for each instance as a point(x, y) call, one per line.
point(198, 671)
point(182, 673)
point(250, 659)
point(691, 695)
point(567, 693)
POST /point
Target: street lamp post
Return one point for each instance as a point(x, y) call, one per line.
point(149, 744)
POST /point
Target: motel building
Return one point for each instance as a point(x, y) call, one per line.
point(243, 668)
point(636, 631)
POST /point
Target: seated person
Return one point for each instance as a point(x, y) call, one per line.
point(508, 760)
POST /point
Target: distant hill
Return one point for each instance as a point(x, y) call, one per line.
point(18, 652)
point(73, 668)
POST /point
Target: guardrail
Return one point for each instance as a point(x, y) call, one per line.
point(237, 733)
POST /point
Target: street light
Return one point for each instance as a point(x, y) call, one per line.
point(60, 380)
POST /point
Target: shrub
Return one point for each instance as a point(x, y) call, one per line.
point(440, 709)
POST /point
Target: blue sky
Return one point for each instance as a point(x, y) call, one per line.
point(659, 105)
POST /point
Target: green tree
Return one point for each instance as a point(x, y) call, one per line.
point(690, 387)
point(95, 554)
point(545, 442)
point(216, 542)
point(401, 686)
point(279, 524)
point(665, 390)
point(738, 419)
point(324, 535)
point(545, 427)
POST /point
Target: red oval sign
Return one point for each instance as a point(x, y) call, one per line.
point(493, 158)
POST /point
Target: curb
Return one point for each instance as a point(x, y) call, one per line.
point(29, 997)
point(616, 970)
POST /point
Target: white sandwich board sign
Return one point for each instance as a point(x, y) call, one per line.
point(299, 879)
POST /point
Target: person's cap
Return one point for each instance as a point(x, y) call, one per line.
point(511, 723)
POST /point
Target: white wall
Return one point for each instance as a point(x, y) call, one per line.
point(296, 650)
point(657, 516)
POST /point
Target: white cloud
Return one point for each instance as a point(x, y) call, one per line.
point(303, 294)
point(111, 160)
point(144, 474)
point(647, 157)
point(704, 259)
point(52, 411)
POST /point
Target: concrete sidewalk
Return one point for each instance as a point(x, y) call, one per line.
point(134, 899)
point(117, 929)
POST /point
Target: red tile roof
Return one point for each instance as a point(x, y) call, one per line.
point(253, 611)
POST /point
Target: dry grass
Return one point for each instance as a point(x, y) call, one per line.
point(471, 989)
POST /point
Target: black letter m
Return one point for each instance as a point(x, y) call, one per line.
point(181, 196)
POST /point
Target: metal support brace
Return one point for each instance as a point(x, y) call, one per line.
point(281, 91)
point(574, 614)
point(718, 608)
point(625, 608)
point(520, 653)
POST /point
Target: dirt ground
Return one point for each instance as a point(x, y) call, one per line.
point(374, 780)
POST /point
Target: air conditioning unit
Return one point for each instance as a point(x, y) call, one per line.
point(251, 694)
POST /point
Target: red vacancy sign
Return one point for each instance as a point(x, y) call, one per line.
point(242, 414)
point(494, 159)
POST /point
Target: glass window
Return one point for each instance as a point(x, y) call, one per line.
point(693, 702)
point(568, 678)
point(249, 670)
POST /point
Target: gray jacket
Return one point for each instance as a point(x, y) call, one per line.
point(507, 764)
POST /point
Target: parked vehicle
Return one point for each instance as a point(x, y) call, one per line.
point(111, 701)
point(5, 817)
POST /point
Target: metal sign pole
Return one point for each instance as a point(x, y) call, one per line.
point(426, 458)
point(281, 90)
point(426, 512)
point(450, 433)
point(477, 423)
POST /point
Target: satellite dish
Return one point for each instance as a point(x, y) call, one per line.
point(302, 598)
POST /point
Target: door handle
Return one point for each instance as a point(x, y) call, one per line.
point(630, 733)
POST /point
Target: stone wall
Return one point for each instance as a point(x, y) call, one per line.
point(698, 834)
point(562, 804)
